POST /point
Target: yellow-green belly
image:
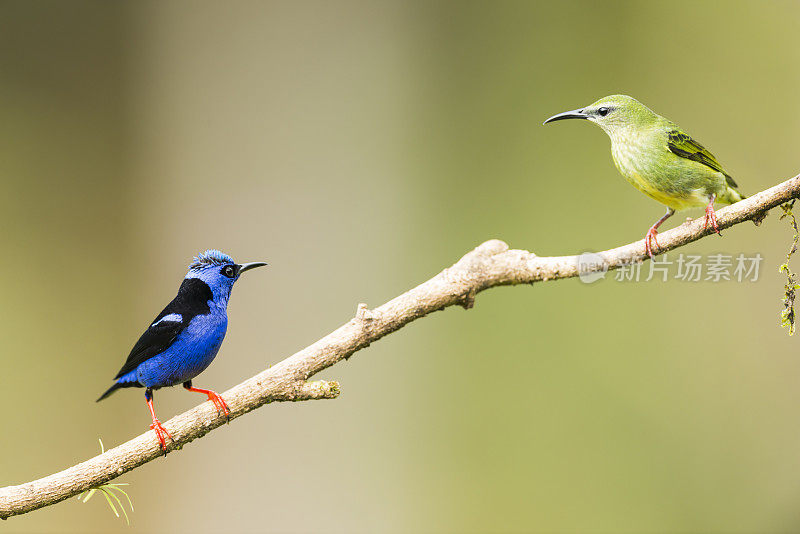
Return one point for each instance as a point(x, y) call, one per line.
point(663, 176)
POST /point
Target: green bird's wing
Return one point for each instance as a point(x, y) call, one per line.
point(683, 145)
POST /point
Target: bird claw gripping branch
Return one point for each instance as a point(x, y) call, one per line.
point(213, 396)
point(161, 434)
point(157, 427)
point(649, 239)
point(711, 217)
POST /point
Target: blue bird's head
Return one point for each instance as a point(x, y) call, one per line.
point(219, 271)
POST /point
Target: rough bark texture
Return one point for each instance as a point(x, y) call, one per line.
point(491, 264)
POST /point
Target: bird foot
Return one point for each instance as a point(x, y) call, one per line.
point(219, 402)
point(650, 238)
point(161, 434)
point(711, 217)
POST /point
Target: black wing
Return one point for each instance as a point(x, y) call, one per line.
point(681, 144)
point(155, 340)
point(191, 300)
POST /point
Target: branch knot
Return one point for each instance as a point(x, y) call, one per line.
point(363, 313)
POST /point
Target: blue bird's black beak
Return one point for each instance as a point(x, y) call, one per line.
point(247, 266)
point(574, 114)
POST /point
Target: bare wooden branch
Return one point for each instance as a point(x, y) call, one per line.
point(490, 265)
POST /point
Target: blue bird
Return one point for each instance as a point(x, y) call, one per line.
point(185, 337)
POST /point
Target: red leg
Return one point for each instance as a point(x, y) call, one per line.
point(711, 215)
point(650, 237)
point(219, 402)
point(161, 432)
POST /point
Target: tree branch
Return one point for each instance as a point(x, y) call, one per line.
point(490, 265)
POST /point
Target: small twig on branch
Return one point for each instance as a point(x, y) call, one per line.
point(492, 264)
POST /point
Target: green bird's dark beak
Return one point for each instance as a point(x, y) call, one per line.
point(574, 114)
point(247, 266)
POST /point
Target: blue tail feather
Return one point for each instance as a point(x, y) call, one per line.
point(127, 381)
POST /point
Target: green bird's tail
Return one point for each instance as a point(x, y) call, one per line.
point(732, 195)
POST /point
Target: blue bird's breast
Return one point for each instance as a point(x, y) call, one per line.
point(189, 355)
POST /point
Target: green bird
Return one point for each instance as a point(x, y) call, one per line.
point(659, 159)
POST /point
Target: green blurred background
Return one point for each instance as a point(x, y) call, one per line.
point(361, 147)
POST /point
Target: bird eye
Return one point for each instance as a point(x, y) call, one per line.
point(603, 111)
point(229, 271)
